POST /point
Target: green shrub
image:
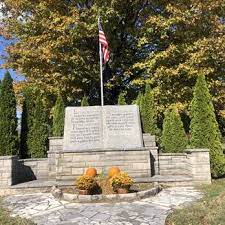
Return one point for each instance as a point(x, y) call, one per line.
point(173, 136)
point(204, 127)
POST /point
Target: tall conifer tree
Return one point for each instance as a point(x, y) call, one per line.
point(26, 122)
point(84, 101)
point(204, 127)
point(8, 119)
point(38, 135)
point(121, 99)
point(148, 112)
point(58, 117)
point(173, 136)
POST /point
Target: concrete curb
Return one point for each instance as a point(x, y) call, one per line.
point(57, 193)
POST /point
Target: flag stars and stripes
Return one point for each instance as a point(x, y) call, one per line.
point(104, 44)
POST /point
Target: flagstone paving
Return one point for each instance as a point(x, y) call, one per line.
point(44, 209)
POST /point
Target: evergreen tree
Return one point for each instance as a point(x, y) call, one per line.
point(121, 99)
point(138, 99)
point(204, 127)
point(58, 117)
point(8, 119)
point(173, 136)
point(84, 101)
point(26, 122)
point(148, 112)
point(38, 135)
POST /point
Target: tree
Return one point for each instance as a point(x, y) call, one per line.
point(121, 99)
point(28, 107)
point(38, 135)
point(178, 40)
point(204, 127)
point(58, 117)
point(84, 101)
point(148, 112)
point(173, 136)
point(57, 44)
point(8, 119)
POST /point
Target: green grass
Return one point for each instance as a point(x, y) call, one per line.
point(210, 210)
point(5, 219)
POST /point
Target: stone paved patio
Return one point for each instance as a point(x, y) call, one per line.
point(44, 209)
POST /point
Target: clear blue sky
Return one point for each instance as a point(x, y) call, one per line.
point(3, 45)
point(15, 76)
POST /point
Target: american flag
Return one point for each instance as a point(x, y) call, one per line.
point(104, 44)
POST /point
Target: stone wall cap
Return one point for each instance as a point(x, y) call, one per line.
point(55, 138)
point(193, 150)
point(104, 150)
point(33, 159)
point(172, 154)
point(8, 157)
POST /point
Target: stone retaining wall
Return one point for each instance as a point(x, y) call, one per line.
point(6, 170)
point(173, 164)
point(194, 163)
point(39, 167)
point(72, 164)
point(139, 163)
point(199, 165)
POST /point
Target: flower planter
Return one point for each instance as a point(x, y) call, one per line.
point(84, 192)
point(122, 190)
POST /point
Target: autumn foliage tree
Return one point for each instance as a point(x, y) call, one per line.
point(180, 39)
point(57, 44)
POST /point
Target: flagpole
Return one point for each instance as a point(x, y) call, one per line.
point(101, 76)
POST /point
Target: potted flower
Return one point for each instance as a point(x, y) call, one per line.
point(84, 184)
point(121, 183)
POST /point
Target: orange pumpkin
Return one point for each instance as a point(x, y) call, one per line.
point(113, 171)
point(92, 172)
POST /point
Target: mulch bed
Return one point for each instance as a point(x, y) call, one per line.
point(103, 187)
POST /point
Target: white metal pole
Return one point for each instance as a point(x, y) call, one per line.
point(101, 75)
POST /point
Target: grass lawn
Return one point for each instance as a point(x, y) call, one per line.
point(5, 219)
point(210, 210)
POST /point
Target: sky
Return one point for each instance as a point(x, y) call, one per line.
point(15, 76)
point(3, 45)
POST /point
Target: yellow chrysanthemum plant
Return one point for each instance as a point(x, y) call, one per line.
point(121, 180)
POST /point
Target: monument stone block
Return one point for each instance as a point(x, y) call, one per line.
point(97, 127)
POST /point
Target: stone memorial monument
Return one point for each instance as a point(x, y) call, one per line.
point(100, 137)
point(107, 127)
